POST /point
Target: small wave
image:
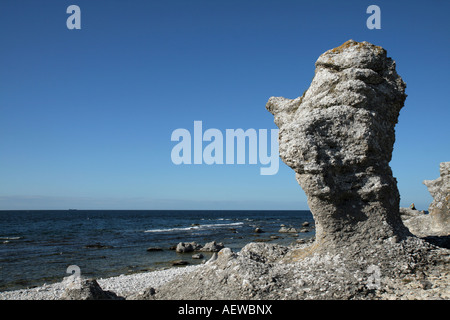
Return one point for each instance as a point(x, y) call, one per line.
point(11, 238)
point(199, 227)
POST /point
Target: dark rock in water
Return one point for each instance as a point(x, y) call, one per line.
point(287, 230)
point(86, 289)
point(198, 256)
point(152, 249)
point(439, 209)
point(97, 246)
point(305, 224)
point(184, 247)
point(258, 230)
point(212, 247)
point(179, 263)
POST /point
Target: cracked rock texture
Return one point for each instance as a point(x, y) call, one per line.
point(338, 137)
point(439, 209)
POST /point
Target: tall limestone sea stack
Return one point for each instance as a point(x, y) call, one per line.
point(338, 137)
point(440, 207)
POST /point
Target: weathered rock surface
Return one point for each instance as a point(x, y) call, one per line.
point(287, 230)
point(180, 263)
point(439, 209)
point(260, 271)
point(78, 288)
point(184, 247)
point(198, 256)
point(338, 138)
point(417, 222)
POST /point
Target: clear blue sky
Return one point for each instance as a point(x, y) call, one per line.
point(86, 115)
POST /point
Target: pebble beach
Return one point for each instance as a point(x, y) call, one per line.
point(123, 285)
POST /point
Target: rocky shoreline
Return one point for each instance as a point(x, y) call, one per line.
point(338, 137)
point(268, 271)
point(120, 287)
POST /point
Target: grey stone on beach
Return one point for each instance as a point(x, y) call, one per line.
point(184, 247)
point(179, 263)
point(258, 230)
point(78, 288)
point(143, 295)
point(97, 246)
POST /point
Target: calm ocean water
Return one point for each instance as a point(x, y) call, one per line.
point(36, 247)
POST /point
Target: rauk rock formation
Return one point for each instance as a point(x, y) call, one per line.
point(338, 137)
point(437, 222)
point(439, 209)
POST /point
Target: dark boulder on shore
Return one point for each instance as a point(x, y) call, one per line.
point(179, 263)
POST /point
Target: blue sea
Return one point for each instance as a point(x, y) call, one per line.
point(36, 247)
